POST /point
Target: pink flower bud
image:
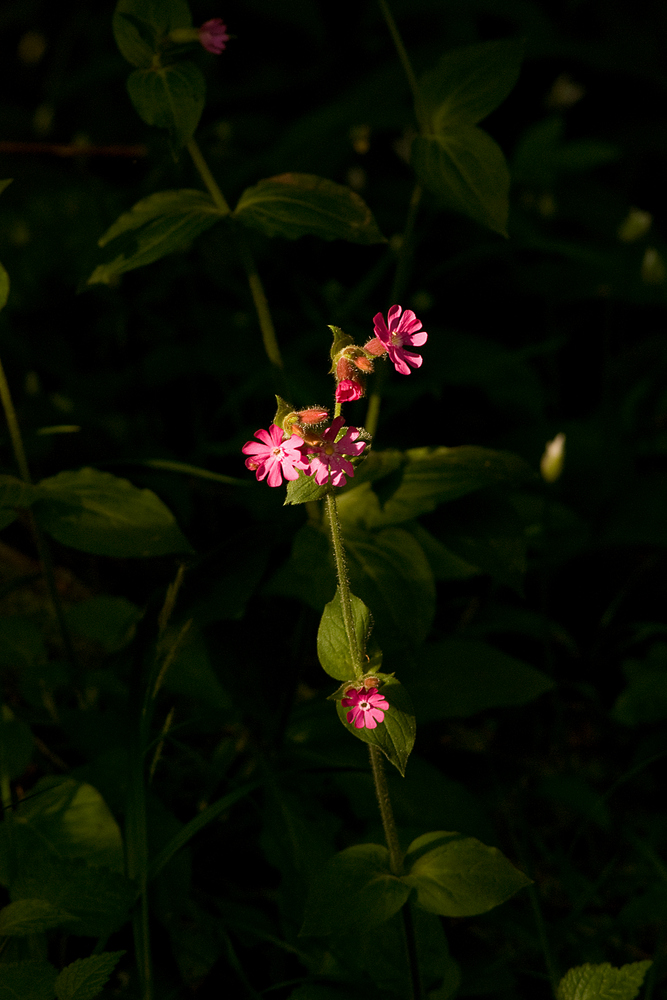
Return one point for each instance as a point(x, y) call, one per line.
point(348, 390)
point(363, 363)
point(315, 415)
point(344, 368)
point(213, 36)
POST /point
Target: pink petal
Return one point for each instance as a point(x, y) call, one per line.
point(370, 721)
point(393, 314)
point(418, 339)
point(255, 448)
point(266, 437)
point(275, 478)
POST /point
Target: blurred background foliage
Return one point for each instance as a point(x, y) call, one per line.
point(559, 328)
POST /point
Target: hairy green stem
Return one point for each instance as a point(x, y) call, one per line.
point(386, 812)
point(343, 583)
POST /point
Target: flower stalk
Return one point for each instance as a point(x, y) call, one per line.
point(343, 583)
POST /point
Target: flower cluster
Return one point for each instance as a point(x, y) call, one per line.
point(392, 337)
point(367, 707)
point(319, 455)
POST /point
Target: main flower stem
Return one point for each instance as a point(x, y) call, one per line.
point(386, 812)
point(269, 338)
point(402, 55)
point(343, 583)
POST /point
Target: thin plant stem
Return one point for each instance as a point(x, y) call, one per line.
point(269, 338)
point(343, 583)
point(41, 544)
point(208, 178)
point(411, 948)
point(402, 55)
point(386, 812)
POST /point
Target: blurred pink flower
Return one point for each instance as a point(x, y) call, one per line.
point(398, 333)
point(327, 456)
point(213, 35)
point(367, 707)
point(348, 390)
point(275, 457)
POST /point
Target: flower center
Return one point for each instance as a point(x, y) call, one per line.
point(328, 449)
point(364, 706)
point(397, 339)
point(277, 451)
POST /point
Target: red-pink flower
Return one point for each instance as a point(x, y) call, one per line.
point(275, 457)
point(398, 333)
point(213, 35)
point(367, 707)
point(328, 457)
point(348, 390)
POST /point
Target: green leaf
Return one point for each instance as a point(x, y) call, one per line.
point(170, 97)
point(31, 916)
point(4, 287)
point(458, 876)
point(430, 476)
point(85, 978)
point(466, 171)
point(460, 677)
point(391, 574)
point(293, 205)
point(154, 227)
point(395, 736)
point(304, 489)
point(333, 648)
point(100, 898)
point(139, 25)
point(72, 820)
point(27, 980)
point(354, 889)
point(191, 675)
point(470, 82)
point(603, 982)
point(100, 513)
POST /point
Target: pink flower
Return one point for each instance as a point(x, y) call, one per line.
point(275, 455)
point(213, 36)
point(396, 334)
point(327, 456)
point(348, 390)
point(368, 707)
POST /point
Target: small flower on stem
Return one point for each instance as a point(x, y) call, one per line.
point(276, 456)
point(367, 707)
point(328, 457)
point(213, 35)
point(348, 390)
point(395, 335)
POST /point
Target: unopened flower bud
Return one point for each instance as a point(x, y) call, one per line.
point(348, 390)
point(363, 363)
point(551, 463)
point(314, 415)
point(344, 368)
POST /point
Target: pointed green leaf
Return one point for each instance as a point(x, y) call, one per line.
point(460, 677)
point(294, 205)
point(395, 736)
point(170, 97)
point(31, 916)
point(139, 25)
point(333, 648)
point(85, 978)
point(154, 227)
point(27, 980)
point(470, 82)
point(100, 513)
point(354, 889)
point(466, 171)
point(304, 489)
point(458, 876)
point(603, 982)
point(341, 340)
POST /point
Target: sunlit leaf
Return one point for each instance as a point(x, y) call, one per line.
point(603, 982)
point(458, 876)
point(395, 736)
point(85, 978)
point(333, 648)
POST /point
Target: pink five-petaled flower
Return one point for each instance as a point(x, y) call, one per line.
point(213, 35)
point(398, 333)
point(275, 455)
point(327, 457)
point(367, 708)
